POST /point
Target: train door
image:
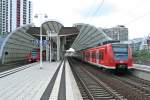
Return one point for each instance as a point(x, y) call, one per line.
point(87, 56)
point(83, 55)
point(94, 56)
point(90, 56)
point(101, 56)
point(97, 56)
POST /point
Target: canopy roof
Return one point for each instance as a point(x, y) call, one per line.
point(89, 36)
point(66, 31)
point(52, 26)
point(16, 45)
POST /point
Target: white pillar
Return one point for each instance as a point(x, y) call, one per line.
point(50, 49)
point(47, 49)
point(58, 48)
point(41, 47)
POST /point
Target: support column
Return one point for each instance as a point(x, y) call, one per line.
point(47, 49)
point(58, 48)
point(63, 47)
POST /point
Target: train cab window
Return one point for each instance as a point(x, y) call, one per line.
point(34, 52)
point(120, 52)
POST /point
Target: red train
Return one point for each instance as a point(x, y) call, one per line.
point(34, 55)
point(109, 56)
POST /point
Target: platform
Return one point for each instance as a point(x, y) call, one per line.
point(52, 82)
point(142, 71)
point(142, 67)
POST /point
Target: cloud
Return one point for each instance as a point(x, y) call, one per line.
point(112, 13)
point(134, 14)
point(97, 9)
point(68, 11)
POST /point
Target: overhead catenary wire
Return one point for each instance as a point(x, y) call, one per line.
point(138, 18)
point(96, 11)
point(89, 14)
point(136, 7)
point(83, 28)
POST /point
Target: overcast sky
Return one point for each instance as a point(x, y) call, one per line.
point(134, 14)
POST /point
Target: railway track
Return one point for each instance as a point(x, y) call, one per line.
point(138, 84)
point(139, 80)
point(9, 72)
point(130, 87)
point(92, 88)
point(6, 67)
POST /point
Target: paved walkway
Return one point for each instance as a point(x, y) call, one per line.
point(27, 84)
point(65, 87)
point(31, 83)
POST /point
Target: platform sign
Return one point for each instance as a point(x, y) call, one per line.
point(37, 42)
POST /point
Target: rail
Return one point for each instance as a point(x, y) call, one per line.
point(6, 73)
point(95, 88)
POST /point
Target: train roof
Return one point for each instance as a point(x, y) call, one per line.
point(110, 41)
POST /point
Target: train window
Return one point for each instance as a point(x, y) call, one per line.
point(120, 48)
point(120, 52)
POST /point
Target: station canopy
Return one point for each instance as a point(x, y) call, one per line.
point(89, 36)
point(52, 26)
point(15, 46)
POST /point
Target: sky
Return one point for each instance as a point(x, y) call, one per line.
point(134, 14)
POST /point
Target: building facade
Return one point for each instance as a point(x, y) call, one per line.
point(119, 32)
point(138, 43)
point(13, 14)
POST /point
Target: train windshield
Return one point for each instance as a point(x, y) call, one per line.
point(120, 51)
point(34, 52)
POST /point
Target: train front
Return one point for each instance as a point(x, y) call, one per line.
point(34, 55)
point(122, 56)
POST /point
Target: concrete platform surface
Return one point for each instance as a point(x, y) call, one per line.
point(72, 90)
point(28, 84)
point(142, 67)
point(142, 71)
point(53, 82)
point(69, 85)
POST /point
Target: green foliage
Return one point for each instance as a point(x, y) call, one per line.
point(141, 55)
